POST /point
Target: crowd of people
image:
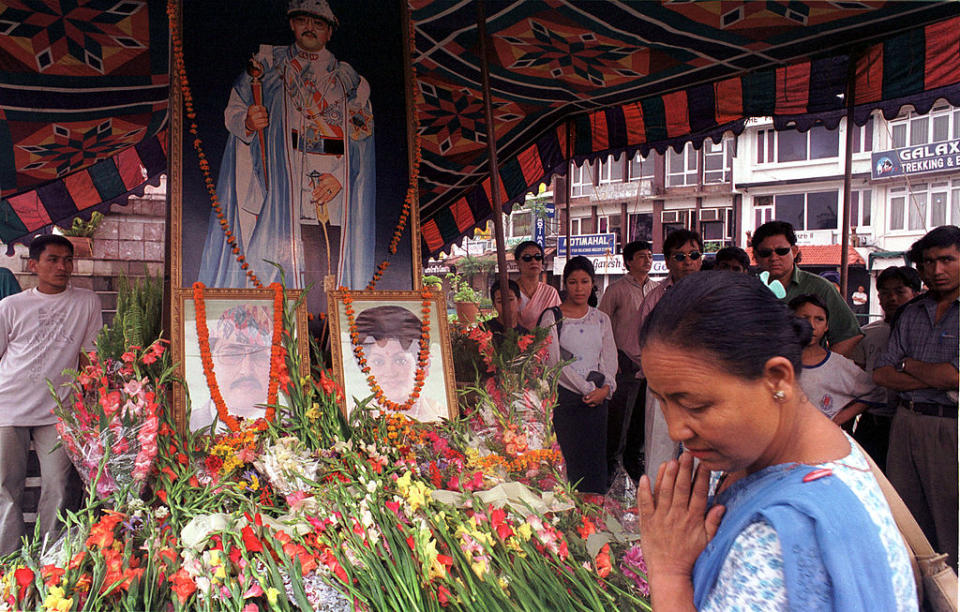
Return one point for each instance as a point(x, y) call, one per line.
point(735, 405)
point(769, 389)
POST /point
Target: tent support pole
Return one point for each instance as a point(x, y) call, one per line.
point(502, 275)
point(566, 196)
point(850, 99)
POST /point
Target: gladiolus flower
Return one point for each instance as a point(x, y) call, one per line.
point(250, 540)
point(24, 578)
point(183, 585)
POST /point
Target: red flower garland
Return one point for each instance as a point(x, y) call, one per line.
point(422, 359)
point(277, 356)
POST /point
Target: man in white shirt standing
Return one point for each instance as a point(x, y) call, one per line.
point(42, 333)
point(621, 302)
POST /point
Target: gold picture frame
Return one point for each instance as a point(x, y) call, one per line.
point(185, 347)
point(438, 398)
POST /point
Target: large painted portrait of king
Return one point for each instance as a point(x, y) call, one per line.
point(301, 113)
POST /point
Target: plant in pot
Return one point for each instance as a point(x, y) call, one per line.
point(80, 234)
point(465, 297)
point(433, 283)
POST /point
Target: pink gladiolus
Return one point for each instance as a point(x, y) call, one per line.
point(132, 387)
point(634, 567)
point(128, 357)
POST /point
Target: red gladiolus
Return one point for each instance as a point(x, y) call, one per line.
point(24, 578)
point(250, 540)
point(51, 574)
point(183, 585)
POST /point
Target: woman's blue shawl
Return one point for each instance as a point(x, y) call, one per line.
point(825, 534)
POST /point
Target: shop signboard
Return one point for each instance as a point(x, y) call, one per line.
point(613, 264)
point(920, 159)
point(588, 245)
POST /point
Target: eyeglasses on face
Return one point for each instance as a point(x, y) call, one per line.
point(693, 255)
point(529, 258)
point(781, 251)
point(233, 355)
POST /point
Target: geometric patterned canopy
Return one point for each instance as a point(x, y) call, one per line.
point(626, 76)
point(83, 108)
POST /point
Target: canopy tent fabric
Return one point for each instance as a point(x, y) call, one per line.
point(621, 76)
point(83, 108)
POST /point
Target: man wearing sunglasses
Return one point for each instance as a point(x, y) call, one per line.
point(683, 251)
point(621, 302)
point(775, 249)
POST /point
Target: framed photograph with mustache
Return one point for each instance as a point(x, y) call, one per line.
point(389, 327)
point(239, 325)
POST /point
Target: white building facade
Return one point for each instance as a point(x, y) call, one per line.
point(905, 181)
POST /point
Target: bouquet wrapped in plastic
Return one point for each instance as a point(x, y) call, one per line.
point(108, 423)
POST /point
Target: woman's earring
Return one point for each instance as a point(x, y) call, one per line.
point(779, 395)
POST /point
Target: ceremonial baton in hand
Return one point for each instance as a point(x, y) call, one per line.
point(255, 70)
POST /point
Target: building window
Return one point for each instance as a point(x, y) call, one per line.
point(860, 207)
point(673, 220)
point(716, 227)
point(863, 137)
point(935, 126)
point(717, 161)
point(521, 224)
point(581, 180)
point(641, 227)
point(924, 206)
point(682, 167)
point(608, 224)
point(611, 171)
point(575, 226)
point(762, 210)
point(816, 143)
point(808, 211)
point(641, 168)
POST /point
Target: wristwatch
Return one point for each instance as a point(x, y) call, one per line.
point(902, 366)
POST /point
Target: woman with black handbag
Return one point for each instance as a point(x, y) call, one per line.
point(583, 337)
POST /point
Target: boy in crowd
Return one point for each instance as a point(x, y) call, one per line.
point(497, 325)
point(733, 259)
point(831, 382)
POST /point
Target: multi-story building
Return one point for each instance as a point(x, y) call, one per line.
point(905, 181)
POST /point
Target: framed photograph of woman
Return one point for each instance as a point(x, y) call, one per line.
point(239, 327)
point(389, 327)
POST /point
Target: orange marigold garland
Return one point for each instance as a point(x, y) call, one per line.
point(278, 369)
point(422, 359)
point(180, 75)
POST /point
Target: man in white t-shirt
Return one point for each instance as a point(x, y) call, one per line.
point(42, 333)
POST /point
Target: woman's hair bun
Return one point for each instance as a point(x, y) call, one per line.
point(801, 330)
